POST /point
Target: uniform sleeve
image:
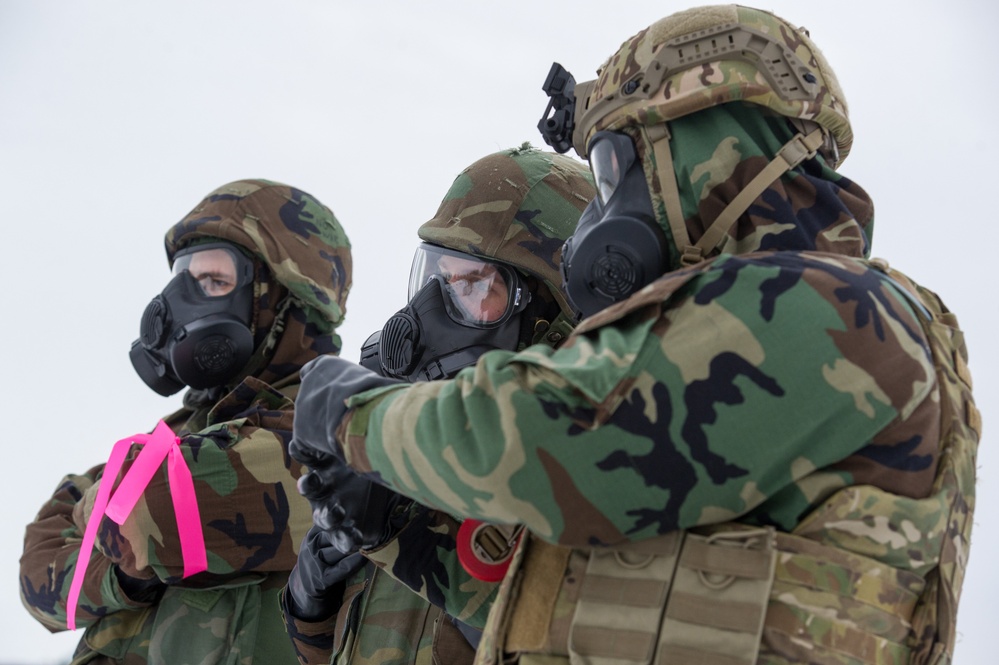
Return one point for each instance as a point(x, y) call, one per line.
point(317, 642)
point(423, 556)
point(252, 516)
point(51, 551)
point(313, 640)
point(734, 394)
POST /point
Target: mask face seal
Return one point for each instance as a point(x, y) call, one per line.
point(197, 331)
point(460, 307)
point(617, 247)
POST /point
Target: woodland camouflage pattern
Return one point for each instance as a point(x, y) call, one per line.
point(517, 206)
point(788, 383)
point(382, 621)
point(423, 557)
point(236, 447)
point(309, 254)
point(639, 428)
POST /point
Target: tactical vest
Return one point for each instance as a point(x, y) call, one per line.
point(733, 594)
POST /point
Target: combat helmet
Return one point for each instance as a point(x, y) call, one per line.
point(302, 263)
point(691, 61)
point(298, 238)
point(517, 206)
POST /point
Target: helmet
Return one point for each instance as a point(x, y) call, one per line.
point(703, 63)
point(707, 56)
point(487, 275)
point(289, 231)
point(278, 249)
point(518, 207)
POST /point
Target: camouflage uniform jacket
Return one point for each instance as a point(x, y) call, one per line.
point(393, 608)
point(235, 441)
point(253, 520)
point(759, 388)
point(789, 383)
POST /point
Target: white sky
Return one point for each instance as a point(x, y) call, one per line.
point(117, 117)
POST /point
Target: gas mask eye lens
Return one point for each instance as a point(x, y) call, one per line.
point(478, 293)
point(611, 155)
point(477, 289)
point(218, 270)
point(606, 169)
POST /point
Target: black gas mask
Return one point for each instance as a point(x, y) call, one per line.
point(197, 331)
point(460, 306)
point(617, 247)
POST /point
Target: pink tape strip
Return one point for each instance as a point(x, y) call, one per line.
point(161, 444)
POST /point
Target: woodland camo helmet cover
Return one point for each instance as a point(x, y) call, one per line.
point(303, 267)
point(516, 206)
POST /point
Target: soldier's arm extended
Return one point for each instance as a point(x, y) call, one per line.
point(740, 391)
point(51, 550)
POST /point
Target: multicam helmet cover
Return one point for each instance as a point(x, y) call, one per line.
point(712, 55)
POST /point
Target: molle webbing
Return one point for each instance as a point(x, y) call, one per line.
point(733, 595)
point(831, 606)
point(679, 598)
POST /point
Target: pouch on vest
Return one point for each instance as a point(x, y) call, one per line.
point(667, 600)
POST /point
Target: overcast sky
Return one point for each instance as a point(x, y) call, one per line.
point(117, 117)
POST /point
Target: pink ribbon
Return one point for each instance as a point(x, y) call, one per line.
point(161, 444)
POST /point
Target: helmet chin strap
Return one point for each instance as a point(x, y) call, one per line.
point(793, 153)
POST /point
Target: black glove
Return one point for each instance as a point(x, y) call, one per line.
point(327, 382)
point(317, 582)
point(352, 509)
point(139, 590)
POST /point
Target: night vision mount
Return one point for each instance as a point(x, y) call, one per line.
point(558, 122)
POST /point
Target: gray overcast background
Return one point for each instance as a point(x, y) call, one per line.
point(117, 117)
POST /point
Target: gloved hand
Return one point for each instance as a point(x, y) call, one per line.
point(139, 590)
point(316, 583)
point(327, 382)
point(352, 509)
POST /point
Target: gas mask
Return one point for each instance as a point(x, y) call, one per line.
point(460, 306)
point(197, 331)
point(617, 247)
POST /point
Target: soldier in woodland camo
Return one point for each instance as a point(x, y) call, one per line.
point(760, 445)
point(266, 269)
point(486, 277)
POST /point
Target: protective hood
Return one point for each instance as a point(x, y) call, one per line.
point(718, 151)
point(302, 261)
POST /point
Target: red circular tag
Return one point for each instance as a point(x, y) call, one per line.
point(472, 562)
